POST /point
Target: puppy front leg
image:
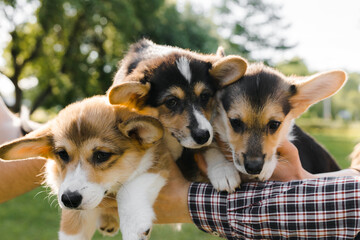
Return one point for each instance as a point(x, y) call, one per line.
point(78, 224)
point(135, 201)
point(222, 173)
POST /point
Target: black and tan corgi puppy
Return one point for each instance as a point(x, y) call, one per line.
point(96, 150)
point(256, 113)
point(178, 87)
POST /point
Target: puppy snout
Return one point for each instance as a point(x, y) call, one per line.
point(253, 164)
point(71, 199)
point(200, 136)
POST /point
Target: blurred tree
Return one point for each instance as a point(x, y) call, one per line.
point(72, 47)
point(251, 26)
point(348, 99)
point(295, 66)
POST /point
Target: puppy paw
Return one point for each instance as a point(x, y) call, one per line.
point(145, 235)
point(224, 176)
point(139, 231)
point(108, 224)
point(136, 236)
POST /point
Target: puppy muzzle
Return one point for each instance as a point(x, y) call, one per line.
point(253, 164)
point(71, 200)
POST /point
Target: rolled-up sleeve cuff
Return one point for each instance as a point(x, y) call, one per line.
point(208, 209)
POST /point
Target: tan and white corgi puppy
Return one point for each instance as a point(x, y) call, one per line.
point(178, 87)
point(97, 150)
point(256, 113)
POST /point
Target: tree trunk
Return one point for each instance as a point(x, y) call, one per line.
point(18, 98)
point(41, 98)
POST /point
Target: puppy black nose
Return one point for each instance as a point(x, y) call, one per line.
point(253, 164)
point(200, 136)
point(71, 199)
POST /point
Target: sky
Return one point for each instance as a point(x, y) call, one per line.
point(326, 33)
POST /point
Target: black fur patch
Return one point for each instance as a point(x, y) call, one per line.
point(258, 87)
point(85, 132)
point(141, 45)
point(167, 75)
point(133, 65)
point(293, 90)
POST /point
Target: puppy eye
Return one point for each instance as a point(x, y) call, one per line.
point(172, 103)
point(63, 155)
point(237, 124)
point(99, 156)
point(273, 125)
point(204, 98)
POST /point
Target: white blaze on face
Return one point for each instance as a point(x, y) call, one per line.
point(77, 181)
point(183, 65)
point(203, 123)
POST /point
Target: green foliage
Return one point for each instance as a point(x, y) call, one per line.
point(34, 216)
point(73, 46)
point(349, 97)
point(295, 66)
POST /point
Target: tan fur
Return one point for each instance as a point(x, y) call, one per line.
point(177, 92)
point(229, 69)
point(84, 128)
point(199, 88)
point(258, 122)
point(308, 90)
point(224, 70)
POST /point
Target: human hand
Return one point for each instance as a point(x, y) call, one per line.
point(289, 166)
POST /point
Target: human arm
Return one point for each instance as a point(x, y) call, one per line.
point(265, 209)
point(19, 176)
point(289, 165)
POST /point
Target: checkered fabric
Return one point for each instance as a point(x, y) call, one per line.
point(323, 208)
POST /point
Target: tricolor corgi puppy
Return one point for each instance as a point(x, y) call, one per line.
point(97, 150)
point(256, 113)
point(178, 87)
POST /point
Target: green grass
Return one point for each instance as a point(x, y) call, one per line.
point(32, 216)
point(338, 138)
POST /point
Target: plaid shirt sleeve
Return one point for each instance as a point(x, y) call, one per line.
point(323, 208)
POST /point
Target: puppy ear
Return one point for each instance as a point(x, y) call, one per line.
point(35, 144)
point(220, 52)
point(146, 130)
point(228, 69)
point(128, 93)
point(315, 88)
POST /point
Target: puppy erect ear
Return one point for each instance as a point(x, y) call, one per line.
point(128, 93)
point(35, 144)
point(146, 130)
point(228, 69)
point(220, 52)
point(315, 88)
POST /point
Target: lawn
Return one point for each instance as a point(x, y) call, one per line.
point(36, 216)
